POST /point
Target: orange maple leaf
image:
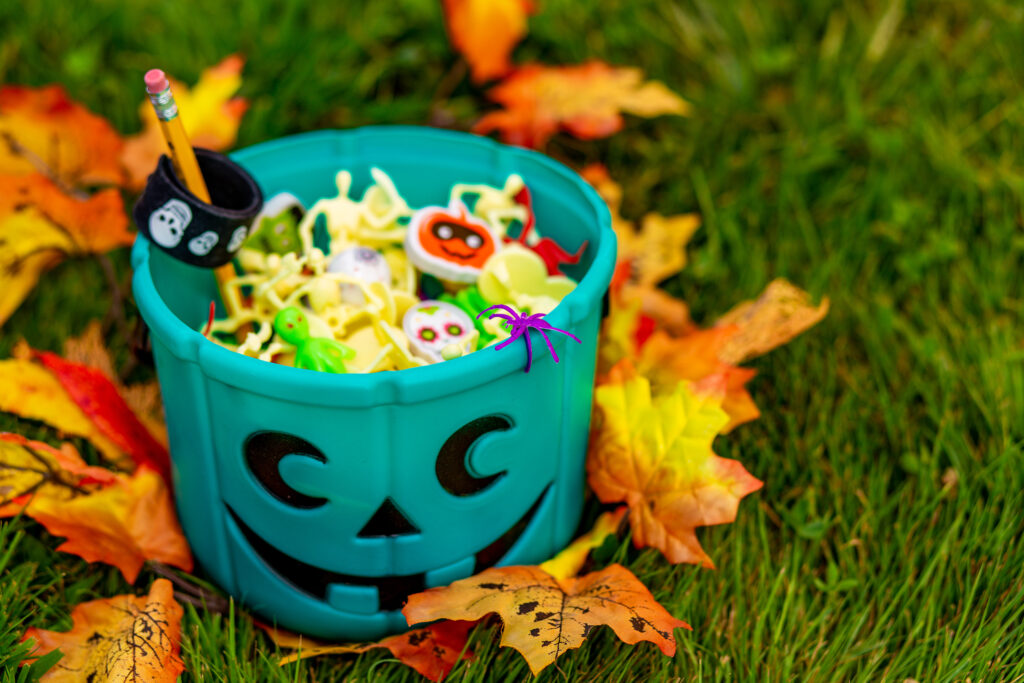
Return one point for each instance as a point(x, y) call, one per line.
point(585, 100)
point(43, 128)
point(696, 357)
point(32, 470)
point(40, 224)
point(124, 638)
point(432, 651)
point(485, 31)
point(124, 524)
point(546, 617)
point(654, 453)
point(779, 314)
point(95, 224)
point(211, 118)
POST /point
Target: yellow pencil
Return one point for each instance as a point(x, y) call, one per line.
point(184, 160)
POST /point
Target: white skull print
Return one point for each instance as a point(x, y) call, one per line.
point(167, 224)
point(201, 246)
point(237, 239)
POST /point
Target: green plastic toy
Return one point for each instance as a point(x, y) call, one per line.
point(472, 302)
point(276, 228)
point(311, 353)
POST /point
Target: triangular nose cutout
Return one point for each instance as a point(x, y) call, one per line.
point(388, 520)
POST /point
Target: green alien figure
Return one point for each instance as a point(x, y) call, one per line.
point(311, 353)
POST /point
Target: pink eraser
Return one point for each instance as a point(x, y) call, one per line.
point(156, 81)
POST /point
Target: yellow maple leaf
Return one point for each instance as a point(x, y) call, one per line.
point(658, 250)
point(124, 638)
point(43, 127)
point(780, 313)
point(211, 116)
point(696, 357)
point(585, 100)
point(546, 617)
point(485, 31)
point(654, 454)
point(570, 560)
point(123, 524)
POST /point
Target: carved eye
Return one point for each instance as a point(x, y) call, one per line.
point(452, 467)
point(263, 454)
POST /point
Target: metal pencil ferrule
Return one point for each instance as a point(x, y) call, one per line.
point(164, 104)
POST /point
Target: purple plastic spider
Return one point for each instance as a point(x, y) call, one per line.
point(521, 325)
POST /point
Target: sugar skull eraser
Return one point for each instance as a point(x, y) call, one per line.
point(450, 243)
point(362, 263)
point(199, 233)
point(431, 326)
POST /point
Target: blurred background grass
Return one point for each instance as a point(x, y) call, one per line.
point(868, 151)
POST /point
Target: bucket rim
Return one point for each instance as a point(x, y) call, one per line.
point(409, 385)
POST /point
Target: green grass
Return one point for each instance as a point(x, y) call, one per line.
point(870, 153)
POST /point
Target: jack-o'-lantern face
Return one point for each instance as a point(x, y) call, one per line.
point(450, 243)
point(363, 509)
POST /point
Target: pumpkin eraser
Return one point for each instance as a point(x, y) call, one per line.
point(449, 242)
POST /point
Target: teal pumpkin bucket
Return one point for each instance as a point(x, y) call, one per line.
point(321, 501)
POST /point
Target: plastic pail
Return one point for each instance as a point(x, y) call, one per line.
point(321, 500)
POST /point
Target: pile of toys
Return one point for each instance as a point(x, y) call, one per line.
point(374, 284)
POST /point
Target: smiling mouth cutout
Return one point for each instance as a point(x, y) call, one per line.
point(392, 591)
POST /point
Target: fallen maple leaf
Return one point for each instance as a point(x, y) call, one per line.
point(143, 398)
point(211, 119)
point(569, 561)
point(40, 224)
point(654, 251)
point(658, 249)
point(432, 650)
point(696, 357)
point(29, 390)
point(32, 470)
point(287, 640)
point(124, 638)
point(545, 617)
point(654, 453)
point(485, 31)
point(123, 524)
point(585, 100)
point(780, 313)
point(99, 399)
point(618, 339)
point(42, 128)
point(665, 311)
